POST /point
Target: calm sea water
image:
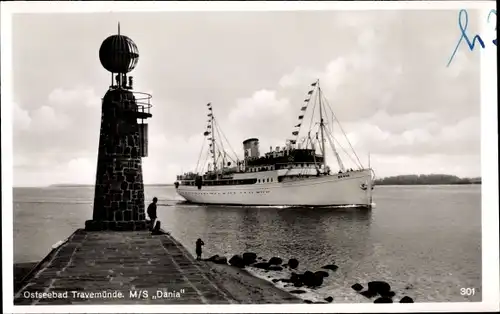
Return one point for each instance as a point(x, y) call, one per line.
point(428, 237)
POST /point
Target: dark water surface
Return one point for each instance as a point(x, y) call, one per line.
point(428, 237)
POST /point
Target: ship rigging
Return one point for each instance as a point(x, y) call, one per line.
point(217, 161)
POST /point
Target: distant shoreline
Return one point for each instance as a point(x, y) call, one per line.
point(413, 179)
point(427, 179)
point(91, 185)
point(399, 184)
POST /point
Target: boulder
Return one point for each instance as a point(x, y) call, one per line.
point(311, 279)
point(330, 267)
point(237, 261)
point(368, 293)
point(357, 287)
point(295, 278)
point(329, 299)
point(293, 263)
point(383, 300)
point(318, 279)
point(211, 259)
point(308, 278)
point(275, 261)
point(275, 280)
point(388, 294)
point(220, 260)
point(321, 273)
point(249, 258)
point(261, 265)
point(298, 284)
point(379, 287)
point(275, 268)
point(406, 299)
point(297, 291)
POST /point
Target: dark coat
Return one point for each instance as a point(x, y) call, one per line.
point(152, 211)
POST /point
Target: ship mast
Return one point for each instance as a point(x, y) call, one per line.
point(322, 126)
point(212, 138)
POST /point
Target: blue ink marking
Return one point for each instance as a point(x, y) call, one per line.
point(493, 11)
point(463, 28)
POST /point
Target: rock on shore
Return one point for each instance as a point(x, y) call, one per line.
point(381, 289)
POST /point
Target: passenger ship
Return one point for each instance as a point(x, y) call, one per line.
point(293, 175)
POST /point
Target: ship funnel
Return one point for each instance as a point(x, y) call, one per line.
point(251, 148)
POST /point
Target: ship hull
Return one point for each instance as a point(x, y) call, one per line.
point(354, 189)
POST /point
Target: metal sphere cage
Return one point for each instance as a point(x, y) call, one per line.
point(118, 54)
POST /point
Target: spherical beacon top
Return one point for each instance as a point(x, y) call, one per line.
point(118, 54)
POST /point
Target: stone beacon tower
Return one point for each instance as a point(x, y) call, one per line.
point(119, 189)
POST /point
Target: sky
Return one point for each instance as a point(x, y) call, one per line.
point(384, 74)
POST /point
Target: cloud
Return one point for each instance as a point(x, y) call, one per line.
point(455, 139)
point(299, 76)
point(46, 119)
point(79, 170)
point(78, 96)
point(61, 131)
point(263, 104)
point(22, 119)
point(168, 156)
point(386, 72)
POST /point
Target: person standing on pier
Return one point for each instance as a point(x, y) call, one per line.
point(199, 243)
point(152, 211)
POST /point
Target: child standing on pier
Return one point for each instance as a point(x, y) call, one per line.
point(199, 243)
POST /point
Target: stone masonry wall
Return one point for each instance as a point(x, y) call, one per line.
point(119, 189)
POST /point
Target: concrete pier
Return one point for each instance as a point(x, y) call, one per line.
point(109, 267)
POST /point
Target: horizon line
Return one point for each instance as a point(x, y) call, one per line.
point(167, 184)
